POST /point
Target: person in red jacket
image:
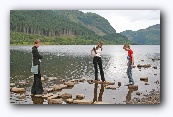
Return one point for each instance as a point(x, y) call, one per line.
point(130, 63)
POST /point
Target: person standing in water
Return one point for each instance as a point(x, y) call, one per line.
point(37, 85)
point(98, 61)
point(130, 63)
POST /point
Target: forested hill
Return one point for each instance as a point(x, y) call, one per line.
point(148, 36)
point(60, 27)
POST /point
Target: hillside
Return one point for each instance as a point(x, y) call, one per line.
point(148, 36)
point(59, 27)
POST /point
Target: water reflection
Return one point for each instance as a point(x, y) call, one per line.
point(37, 100)
point(130, 90)
point(100, 94)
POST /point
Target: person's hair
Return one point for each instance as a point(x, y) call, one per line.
point(126, 46)
point(99, 43)
point(36, 41)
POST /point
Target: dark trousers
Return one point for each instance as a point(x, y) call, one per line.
point(37, 84)
point(98, 61)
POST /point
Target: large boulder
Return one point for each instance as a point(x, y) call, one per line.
point(82, 102)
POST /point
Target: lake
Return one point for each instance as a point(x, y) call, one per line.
point(74, 62)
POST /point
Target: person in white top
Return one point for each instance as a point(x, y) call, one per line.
point(97, 61)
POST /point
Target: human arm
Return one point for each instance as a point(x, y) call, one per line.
point(36, 53)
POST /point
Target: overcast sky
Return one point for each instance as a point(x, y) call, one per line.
point(122, 20)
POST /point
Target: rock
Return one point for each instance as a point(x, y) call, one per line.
point(140, 65)
point(90, 81)
point(54, 101)
point(22, 83)
point(49, 90)
point(81, 80)
point(147, 65)
point(45, 77)
point(110, 87)
point(42, 79)
point(133, 66)
point(142, 60)
point(138, 93)
point(135, 87)
point(15, 89)
point(147, 84)
point(82, 102)
point(119, 84)
point(47, 95)
point(155, 67)
point(155, 74)
point(12, 84)
point(59, 87)
point(80, 96)
point(70, 100)
point(144, 79)
point(38, 96)
point(99, 102)
point(66, 96)
point(110, 83)
point(52, 78)
point(53, 96)
point(69, 84)
point(157, 82)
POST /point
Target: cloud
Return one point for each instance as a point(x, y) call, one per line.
point(122, 20)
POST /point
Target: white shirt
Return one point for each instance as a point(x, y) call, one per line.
point(98, 51)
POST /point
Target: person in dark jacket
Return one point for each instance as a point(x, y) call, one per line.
point(37, 85)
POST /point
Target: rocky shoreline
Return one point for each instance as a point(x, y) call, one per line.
point(60, 97)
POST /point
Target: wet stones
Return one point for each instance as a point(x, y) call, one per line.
point(145, 66)
point(155, 67)
point(138, 93)
point(100, 102)
point(119, 84)
point(12, 84)
point(145, 79)
point(49, 90)
point(110, 87)
point(81, 80)
point(82, 102)
point(47, 95)
point(42, 79)
point(66, 96)
point(54, 101)
point(15, 89)
point(70, 100)
point(147, 84)
point(52, 78)
point(110, 83)
point(59, 87)
point(135, 87)
point(69, 84)
point(22, 83)
point(80, 96)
